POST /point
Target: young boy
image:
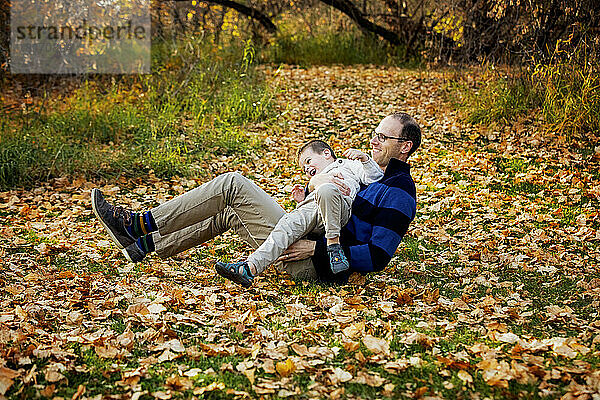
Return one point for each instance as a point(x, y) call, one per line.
point(321, 208)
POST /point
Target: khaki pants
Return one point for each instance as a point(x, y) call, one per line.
point(230, 201)
point(324, 210)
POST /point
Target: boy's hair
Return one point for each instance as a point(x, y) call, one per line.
point(318, 146)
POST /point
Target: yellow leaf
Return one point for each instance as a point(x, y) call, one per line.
point(249, 373)
point(285, 368)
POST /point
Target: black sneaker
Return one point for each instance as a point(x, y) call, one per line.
point(337, 258)
point(113, 218)
point(133, 253)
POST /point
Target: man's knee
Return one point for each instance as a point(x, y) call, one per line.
point(233, 176)
point(302, 270)
point(235, 180)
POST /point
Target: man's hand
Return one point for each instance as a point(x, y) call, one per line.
point(298, 193)
point(353, 154)
point(300, 250)
point(337, 179)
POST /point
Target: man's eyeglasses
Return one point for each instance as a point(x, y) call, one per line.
point(382, 138)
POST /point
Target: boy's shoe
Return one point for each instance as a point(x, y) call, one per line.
point(113, 218)
point(133, 253)
point(232, 272)
point(337, 258)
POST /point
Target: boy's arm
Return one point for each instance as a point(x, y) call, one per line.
point(372, 172)
point(367, 171)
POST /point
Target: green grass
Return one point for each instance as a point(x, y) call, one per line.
point(494, 99)
point(415, 250)
point(197, 102)
point(329, 47)
point(563, 91)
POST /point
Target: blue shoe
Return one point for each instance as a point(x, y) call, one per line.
point(238, 272)
point(113, 218)
point(337, 258)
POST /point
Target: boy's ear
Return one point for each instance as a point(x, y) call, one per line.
point(326, 152)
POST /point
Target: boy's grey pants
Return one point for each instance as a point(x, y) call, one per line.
point(325, 209)
point(230, 201)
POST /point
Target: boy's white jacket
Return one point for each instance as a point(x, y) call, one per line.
point(355, 172)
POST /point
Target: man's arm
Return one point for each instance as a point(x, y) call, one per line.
point(337, 179)
point(300, 250)
point(384, 223)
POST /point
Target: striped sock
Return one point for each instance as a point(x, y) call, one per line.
point(141, 224)
point(146, 244)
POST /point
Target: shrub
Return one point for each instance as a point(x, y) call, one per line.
point(199, 97)
point(570, 87)
point(495, 99)
point(329, 47)
point(564, 90)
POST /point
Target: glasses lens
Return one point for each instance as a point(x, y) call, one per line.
point(380, 137)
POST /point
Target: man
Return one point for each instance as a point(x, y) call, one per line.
point(381, 213)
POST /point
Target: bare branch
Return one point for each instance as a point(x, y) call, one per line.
point(258, 15)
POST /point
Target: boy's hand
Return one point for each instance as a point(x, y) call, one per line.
point(353, 154)
point(298, 193)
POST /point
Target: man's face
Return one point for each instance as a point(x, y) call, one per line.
point(382, 151)
point(312, 163)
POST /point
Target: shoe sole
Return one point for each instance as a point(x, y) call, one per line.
point(126, 254)
point(237, 278)
point(337, 271)
point(112, 236)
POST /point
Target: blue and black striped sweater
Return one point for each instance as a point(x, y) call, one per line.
point(381, 214)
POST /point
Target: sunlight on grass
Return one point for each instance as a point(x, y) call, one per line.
point(198, 100)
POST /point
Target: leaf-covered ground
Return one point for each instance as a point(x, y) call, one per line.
point(494, 293)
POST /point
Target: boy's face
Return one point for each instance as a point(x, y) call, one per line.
point(312, 163)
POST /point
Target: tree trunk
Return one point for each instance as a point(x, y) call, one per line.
point(348, 8)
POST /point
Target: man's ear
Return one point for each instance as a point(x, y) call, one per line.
point(406, 146)
point(326, 152)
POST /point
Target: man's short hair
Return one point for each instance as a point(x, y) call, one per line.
point(317, 146)
point(410, 130)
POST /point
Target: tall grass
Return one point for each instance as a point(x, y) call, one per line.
point(570, 87)
point(329, 47)
point(198, 99)
point(564, 90)
point(494, 98)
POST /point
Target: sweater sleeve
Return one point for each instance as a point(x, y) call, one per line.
point(389, 221)
point(377, 230)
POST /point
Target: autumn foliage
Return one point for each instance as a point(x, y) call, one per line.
point(494, 291)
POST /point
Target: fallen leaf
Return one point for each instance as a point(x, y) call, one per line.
point(285, 368)
point(376, 345)
point(80, 391)
point(209, 388)
point(465, 376)
point(340, 376)
point(365, 378)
